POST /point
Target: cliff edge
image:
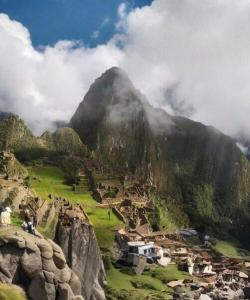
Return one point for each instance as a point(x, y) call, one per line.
point(83, 257)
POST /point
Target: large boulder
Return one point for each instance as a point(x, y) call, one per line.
point(38, 265)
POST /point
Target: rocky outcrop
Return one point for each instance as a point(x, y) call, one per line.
point(38, 265)
point(82, 253)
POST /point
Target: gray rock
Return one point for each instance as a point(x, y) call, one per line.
point(75, 284)
point(39, 289)
point(55, 247)
point(30, 245)
point(65, 274)
point(59, 260)
point(65, 292)
point(83, 257)
point(49, 276)
point(45, 248)
point(39, 266)
point(31, 264)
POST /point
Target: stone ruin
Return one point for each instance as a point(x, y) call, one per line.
point(68, 211)
point(128, 199)
point(46, 212)
point(82, 184)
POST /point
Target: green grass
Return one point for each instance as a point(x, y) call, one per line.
point(167, 215)
point(231, 249)
point(10, 292)
point(16, 220)
point(47, 180)
point(168, 274)
point(131, 287)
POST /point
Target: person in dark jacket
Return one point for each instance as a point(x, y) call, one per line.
point(29, 221)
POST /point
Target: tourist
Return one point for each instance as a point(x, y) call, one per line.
point(5, 219)
point(28, 224)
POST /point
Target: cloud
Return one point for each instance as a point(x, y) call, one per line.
point(243, 148)
point(122, 10)
point(96, 33)
point(201, 48)
point(189, 57)
point(47, 84)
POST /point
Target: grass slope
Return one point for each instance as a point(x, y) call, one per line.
point(11, 292)
point(150, 285)
point(47, 180)
point(231, 249)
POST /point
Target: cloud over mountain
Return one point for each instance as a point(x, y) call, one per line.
point(189, 57)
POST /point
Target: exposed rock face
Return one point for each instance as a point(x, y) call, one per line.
point(197, 167)
point(81, 250)
point(38, 265)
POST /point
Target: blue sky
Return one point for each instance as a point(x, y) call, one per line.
point(51, 20)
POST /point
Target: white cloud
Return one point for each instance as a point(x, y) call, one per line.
point(122, 8)
point(96, 33)
point(243, 149)
point(202, 48)
point(192, 53)
point(46, 85)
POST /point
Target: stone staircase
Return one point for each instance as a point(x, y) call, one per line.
point(82, 185)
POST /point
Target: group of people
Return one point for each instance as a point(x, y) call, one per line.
point(30, 219)
point(5, 216)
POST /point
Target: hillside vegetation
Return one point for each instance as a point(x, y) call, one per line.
point(16, 137)
point(11, 292)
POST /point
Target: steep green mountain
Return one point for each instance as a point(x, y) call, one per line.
point(195, 167)
point(17, 138)
point(10, 167)
point(63, 140)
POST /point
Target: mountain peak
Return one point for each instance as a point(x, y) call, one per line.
point(111, 97)
point(115, 79)
point(114, 72)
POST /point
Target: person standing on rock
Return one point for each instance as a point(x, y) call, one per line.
point(5, 219)
point(29, 221)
